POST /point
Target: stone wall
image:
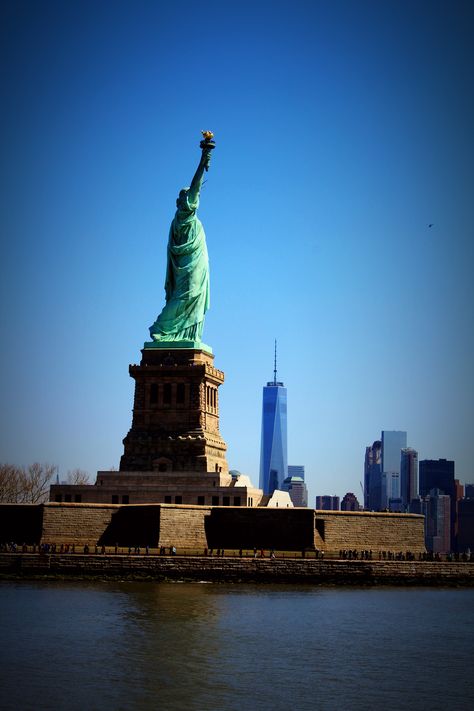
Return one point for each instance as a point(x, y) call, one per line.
point(197, 527)
point(75, 523)
point(285, 570)
point(336, 530)
point(183, 527)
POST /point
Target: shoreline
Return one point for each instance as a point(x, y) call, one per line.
point(30, 566)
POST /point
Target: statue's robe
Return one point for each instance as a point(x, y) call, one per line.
point(187, 278)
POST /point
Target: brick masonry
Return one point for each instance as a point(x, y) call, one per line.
point(287, 570)
point(336, 530)
point(214, 527)
point(175, 425)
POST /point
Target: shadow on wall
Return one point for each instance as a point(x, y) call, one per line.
point(21, 523)
point(130, 526)
point(281, 529)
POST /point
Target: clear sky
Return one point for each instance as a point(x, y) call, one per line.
point(343, 130)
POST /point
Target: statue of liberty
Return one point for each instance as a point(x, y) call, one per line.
point(187, 271)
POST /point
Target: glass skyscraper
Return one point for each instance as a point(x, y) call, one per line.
point(296, 470)
point(393, 442)
point(408, 475)
point(439, 474)
point(373, 477)
point(274, 449)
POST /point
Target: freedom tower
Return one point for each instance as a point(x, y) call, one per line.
point(273, 452)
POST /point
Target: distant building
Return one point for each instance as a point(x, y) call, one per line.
point(439, 474)
point(396, 505)
point(382, 472)
point(469, 491)
point(393, 441)
point(296, 470)
point(327, 503)
point(273, 451)
point(350, 502)
point(408, 476)
point(465, 541)
point(458, 494)
point(458, 490)
point(436, 474)
point(373, 477)
point(297, 490)
point(438, 533)
point(436, 508)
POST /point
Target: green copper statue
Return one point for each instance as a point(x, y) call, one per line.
point(187, 272)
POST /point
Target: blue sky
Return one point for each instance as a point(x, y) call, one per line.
point(343, 130)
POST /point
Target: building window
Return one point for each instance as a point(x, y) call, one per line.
point(236, 500)
point(214, 398)
point(77, 498)
point(201, 500)
point(125, 499)
point(115, 498)
point(167, 499)
point(180, 391)
point(178, 499)
point(67, 497)
point(215, 501)
point(167, 394)
point(153, 393)
point(226, 501)
point(58, 498)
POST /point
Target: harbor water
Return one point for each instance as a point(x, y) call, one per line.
point(190, 646)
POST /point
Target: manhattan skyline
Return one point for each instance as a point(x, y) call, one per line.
point(338, 215)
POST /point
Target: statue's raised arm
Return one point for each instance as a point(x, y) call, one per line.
point(187, 272)
point(207, 145)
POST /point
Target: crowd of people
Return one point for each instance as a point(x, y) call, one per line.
point(344, 554)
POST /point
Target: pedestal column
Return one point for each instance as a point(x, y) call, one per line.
point(175, 424)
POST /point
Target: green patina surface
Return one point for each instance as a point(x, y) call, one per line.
point(187, 274)
point(193, 345)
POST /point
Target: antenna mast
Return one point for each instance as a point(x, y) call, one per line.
point(275, 365)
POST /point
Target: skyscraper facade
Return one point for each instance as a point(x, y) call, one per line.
point(438, 522)
point(327, 503)
point(295, 486)
point(350, 502)
point(296, 470)
point(465, 541)
point(274, 448)
point(408, 476)
point(393, 441)
point(439, 474)
point(373, 477)
point(436, 508)
point(458, 495)
point(297, 490)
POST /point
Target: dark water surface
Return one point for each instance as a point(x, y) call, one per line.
point(180, 647)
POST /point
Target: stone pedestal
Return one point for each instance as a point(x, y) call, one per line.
point(175, 425)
